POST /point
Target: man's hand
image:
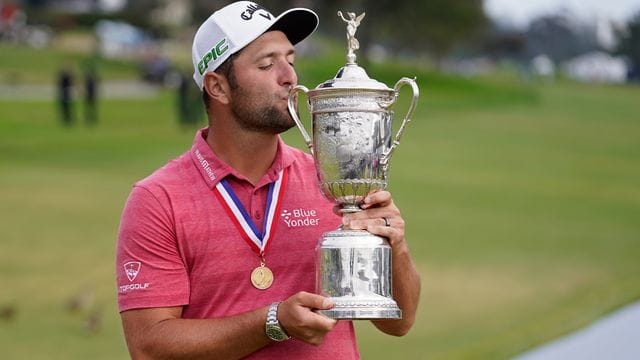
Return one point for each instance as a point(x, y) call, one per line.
point(378, 206)
point(297, 318)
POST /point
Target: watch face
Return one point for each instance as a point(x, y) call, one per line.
point(275, 333)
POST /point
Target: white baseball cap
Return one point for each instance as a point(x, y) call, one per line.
point(234, 26)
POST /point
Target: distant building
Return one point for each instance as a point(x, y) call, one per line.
point(172, 13)
point(543, 66)
point(119, 39)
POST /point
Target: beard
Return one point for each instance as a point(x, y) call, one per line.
point(259, 116)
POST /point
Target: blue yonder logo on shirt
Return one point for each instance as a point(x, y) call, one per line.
point(300, 217)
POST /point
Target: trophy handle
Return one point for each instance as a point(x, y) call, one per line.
point(384, 162)
point(294, 114)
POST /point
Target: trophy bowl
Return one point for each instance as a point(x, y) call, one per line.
point(351, 135)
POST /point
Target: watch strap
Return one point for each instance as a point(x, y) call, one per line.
point(272, 327)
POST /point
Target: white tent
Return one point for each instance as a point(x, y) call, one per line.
point(597, 67)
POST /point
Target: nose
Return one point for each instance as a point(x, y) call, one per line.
point(287, 76)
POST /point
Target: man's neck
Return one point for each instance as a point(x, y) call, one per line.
point(249, 153)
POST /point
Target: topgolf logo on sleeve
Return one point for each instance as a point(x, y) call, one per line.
point(132, 268)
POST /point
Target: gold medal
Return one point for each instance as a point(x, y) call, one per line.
point(261, 277)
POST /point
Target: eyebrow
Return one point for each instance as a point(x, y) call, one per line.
point(273, 54)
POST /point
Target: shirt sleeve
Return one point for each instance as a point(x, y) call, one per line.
point(150, 269)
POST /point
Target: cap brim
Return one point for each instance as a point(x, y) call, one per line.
point(296, 24)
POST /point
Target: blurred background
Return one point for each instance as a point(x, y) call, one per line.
point(518, 176)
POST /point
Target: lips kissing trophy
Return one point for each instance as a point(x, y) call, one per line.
point(352, 129)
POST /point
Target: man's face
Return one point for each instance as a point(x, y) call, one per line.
point(264, 74)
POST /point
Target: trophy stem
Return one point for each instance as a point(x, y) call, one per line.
point(350, 209)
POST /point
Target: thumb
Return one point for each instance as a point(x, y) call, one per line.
point(315, 301)
point(326, 304)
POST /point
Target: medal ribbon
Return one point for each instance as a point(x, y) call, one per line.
point(257, 239)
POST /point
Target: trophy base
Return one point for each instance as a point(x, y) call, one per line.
point(362, 309)
point(354, 271)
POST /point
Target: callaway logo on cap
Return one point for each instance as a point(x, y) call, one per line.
point(233, 27)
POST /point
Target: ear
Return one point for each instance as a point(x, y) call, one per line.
point(217, 87)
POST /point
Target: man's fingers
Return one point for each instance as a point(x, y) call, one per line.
point(297, 317)
point(373, 213)
point(313, 301)
point(377, 198)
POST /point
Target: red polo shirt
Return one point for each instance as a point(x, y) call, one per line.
point(177, 246)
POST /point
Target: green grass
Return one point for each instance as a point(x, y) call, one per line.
point(522, 205)
point(19, 65)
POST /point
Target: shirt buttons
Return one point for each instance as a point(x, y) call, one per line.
point(257, 215)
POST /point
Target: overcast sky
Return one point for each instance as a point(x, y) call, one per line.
point(520, 12)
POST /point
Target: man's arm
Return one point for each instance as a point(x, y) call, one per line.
point(406, 279)
point(159, 333)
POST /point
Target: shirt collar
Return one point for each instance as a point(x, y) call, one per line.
point(213, 169)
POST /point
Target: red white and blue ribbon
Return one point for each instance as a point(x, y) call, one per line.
point(258, 239)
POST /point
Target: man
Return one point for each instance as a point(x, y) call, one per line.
point(65, 95)
point(90, 94)
point(197, 277)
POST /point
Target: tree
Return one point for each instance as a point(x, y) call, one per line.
point(560, 37)
point(442, 24)
point(630, 44)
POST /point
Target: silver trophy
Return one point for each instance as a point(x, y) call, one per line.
point(352, 143)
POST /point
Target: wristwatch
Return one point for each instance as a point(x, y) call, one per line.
point(272, 327)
